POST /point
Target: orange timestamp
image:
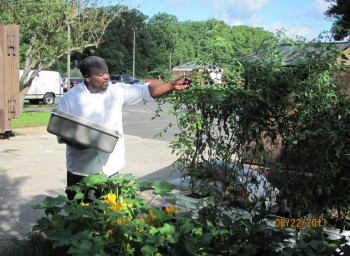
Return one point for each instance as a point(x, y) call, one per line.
point(300, 222)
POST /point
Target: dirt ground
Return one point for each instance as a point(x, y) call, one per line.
point(37, 130)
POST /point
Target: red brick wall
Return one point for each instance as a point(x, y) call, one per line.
point(181, 73)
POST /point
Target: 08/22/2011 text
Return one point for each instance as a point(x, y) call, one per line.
point(300, 222)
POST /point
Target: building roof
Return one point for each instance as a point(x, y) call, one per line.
point(290, 52)
point(185, 67)
point(189, 66)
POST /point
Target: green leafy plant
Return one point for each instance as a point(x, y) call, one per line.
point(118, 223)
point(315, 242)
point(307, 111)
point(277, 113)
point(121, 222)
point(195, 110)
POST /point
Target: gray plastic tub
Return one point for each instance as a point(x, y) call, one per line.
point(82, 131)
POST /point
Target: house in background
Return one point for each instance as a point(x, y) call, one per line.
point(293, 55)
point(290, 53)
point(185, 69)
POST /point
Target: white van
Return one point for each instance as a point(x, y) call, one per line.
point(45, 87)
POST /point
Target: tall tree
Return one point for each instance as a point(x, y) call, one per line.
point(117, 45)
point(247, 40)
point(340, 11)
point(193, 41)
point(163, 28)
point(218, 46)
point(45, 24)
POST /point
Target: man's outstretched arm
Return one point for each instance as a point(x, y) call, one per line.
point(158, 90)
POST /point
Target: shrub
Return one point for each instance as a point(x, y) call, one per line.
point(120, 222)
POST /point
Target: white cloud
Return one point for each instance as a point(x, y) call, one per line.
point(319, 7)
point(300, 31)
point(254, 5)
point(304, 23)
point(251, 5)
point(238, 12)
point(176, 1)
point(252, 20)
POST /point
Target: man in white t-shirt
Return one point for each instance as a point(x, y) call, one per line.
point(100, 101)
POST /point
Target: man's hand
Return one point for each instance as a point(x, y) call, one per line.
point(73, 144)
point(158, 90)
point(181, 84)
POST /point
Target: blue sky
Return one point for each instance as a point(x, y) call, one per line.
point(297, 17)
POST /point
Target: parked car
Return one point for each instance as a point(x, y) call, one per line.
point(127, 79)
point(73, 82)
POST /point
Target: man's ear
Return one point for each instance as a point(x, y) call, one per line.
point(87, 79)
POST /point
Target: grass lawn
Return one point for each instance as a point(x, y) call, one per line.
point(31, 119)
point(38, 115)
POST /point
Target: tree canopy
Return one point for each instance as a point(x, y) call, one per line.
point(340, 11)
point(163, 42)
point(51, 30)
point(45, 26)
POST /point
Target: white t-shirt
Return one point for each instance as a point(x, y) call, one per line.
point(104, 108)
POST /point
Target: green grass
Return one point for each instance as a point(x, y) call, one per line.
point(39, 105)
point(32, 245)
point(31, 119)
point(9, 151)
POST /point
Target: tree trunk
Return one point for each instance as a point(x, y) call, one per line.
point(22, 95)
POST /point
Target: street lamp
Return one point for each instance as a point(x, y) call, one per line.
point(133, 52)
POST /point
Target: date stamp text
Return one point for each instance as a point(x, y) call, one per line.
point(300, 222)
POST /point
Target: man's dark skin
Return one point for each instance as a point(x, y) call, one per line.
point(100, 82)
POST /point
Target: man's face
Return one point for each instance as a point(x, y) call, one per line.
point(97, 83)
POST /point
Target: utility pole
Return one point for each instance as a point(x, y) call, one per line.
point(68, 57)
point(133, 52)
point(170, 60)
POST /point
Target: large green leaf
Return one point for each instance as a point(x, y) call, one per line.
point(95, 180)
point(318, 246)
point(49, 202)
point(162, 188)
point(148, 250)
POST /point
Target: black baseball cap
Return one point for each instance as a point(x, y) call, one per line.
point(93, 65)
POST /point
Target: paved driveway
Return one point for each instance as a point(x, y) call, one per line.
point(32, 166)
